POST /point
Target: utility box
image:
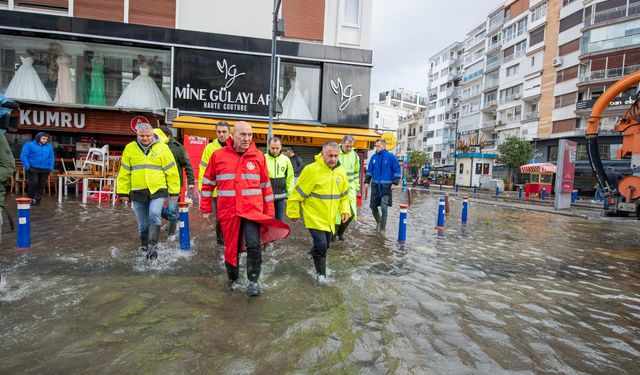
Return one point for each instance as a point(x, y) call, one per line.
point(474, 169)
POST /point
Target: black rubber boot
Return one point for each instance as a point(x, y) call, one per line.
point(171, 228)
point(253, 274)
point(376, 215)
point(144, 242)
point(154, 233)
point(233, 272)
point(317, 262)
point(323, 266)
point(383, 224)
point(219, 238)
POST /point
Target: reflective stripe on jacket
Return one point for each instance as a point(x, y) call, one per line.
point(281, 175)
point(322, 193)
point(154, 171)
point(351, 164)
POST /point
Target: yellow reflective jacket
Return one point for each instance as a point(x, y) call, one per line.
point(204, 161)
point(154, 171)
point(280, 174)
point(322, 193)
point(351, 164)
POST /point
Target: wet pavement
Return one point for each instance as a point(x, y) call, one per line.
point(513, 291)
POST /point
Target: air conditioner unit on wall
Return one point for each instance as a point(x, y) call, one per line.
point(170, 114)
point(557, 61)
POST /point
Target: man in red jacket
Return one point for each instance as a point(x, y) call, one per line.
point(245, 203)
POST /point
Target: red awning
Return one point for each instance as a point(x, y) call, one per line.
point(538, 168)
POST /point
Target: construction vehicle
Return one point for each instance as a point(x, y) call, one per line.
point(621, 193)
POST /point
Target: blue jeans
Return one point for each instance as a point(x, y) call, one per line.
point(280, 206)
point(321, 242)
point(171, 211)
point(148, 213)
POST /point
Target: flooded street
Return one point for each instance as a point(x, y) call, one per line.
point(512, 292)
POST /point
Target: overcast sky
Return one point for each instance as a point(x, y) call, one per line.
point(406, 33)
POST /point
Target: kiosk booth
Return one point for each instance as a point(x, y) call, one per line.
point(541, 176)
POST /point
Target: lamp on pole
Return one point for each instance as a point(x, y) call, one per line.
point(277, 29)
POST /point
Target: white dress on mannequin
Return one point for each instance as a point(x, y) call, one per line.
point(294, 106)
point(64, 90)
point(142, 92)
point(26, 83)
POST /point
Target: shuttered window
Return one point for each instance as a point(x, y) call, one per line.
point(50, 4)
point(107, 10)
point(571, 21)
point(564, 126)
point(161, 13)
point(567, 48)
point(567, 74)
point(536, 37)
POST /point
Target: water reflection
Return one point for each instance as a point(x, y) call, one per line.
point(512, 291)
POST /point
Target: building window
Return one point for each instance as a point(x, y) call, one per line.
point(567, 74)
point(538, 12)
point(377, 114)
point(512, 70)
point(536, 37)
point(84, 73)
point(565, 100)
point(552, 153)
point(299, 91)
point(351, 20)
point(533, 61)
point(569, 47)
point(564, 125)
point(571, 20)
point(58, 5)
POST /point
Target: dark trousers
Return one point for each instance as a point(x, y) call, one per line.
point(342, 227)
point(37, 179)
point(321, 242)
point(250, 233)
point(280, 206)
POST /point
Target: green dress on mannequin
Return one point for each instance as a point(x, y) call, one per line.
point(96, 93)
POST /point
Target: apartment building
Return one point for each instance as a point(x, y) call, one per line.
point(87, 54)
point(392, 107)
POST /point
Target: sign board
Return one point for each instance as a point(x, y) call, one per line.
point(345, 95)
point(391, 140)
point(138, 119)
point(405, 158)
point(565, 173)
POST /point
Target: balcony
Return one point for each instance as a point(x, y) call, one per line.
point(509, 58)
point(488, 124)
point(608, 15)
point(509, 99)
point(531, 116)
point(509, 120)
point(454, 75)
point(490, 106)
point(608, 74)
point(433, 97)
point(490, 84)
point(622, 42)
point(495, 24)
point(453, 91)
point(451, 107)
point(493, 46)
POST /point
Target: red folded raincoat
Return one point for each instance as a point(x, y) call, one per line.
point(244, 191)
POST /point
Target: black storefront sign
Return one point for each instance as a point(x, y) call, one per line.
point(219, 82)
point(345, 95)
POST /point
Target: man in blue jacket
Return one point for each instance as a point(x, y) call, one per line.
point(38, 160)
point(382, 172)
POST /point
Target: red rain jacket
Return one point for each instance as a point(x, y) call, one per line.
point(244, 191)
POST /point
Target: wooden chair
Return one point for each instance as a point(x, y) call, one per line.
point(20, 178)
point(53, 181)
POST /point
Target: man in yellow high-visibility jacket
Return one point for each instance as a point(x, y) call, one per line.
point(350, 161)
point(147, 176)
point(322, 192)
point(223, 132)
point(280, 174)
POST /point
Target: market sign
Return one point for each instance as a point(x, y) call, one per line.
point(219, 82)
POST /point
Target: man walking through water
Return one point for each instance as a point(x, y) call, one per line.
point(281, 175)
point(322, 192)
point(223, 132)
point(350, 161)
point(245, 204)
point(147, 176)
point(383, 172)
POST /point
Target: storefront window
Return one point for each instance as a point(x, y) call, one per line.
point(48, 70)
point(299, 91)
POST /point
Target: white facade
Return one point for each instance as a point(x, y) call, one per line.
point(385, 118)
point(338, 31)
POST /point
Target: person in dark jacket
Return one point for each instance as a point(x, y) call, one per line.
point(38, 160)
point(383, 172)
point(182, 162)
point(296, 161)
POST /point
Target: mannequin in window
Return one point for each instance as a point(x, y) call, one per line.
point(143, 92)
point(26, 83)
point(294, 106)
point(96, 92)
point(64, 89)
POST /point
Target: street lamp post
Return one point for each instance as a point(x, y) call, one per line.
point(272, 76)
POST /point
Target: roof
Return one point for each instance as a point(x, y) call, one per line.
point(538, 168)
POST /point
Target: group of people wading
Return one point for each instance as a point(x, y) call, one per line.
point(248, 192)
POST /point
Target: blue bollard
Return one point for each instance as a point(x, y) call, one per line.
point(440, 224)
point(441, 188)
point(185, 240)
point(465, 209)
point(402, 228)
point(574, 196)
point(457, 188)
point(543, 195)
point(475, 189)
point(497, 191)
point(24, 223)
point(520, 192)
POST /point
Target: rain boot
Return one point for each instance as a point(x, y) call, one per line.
point(376, 215)
point(144, 242)
point(154, 232)
point(171, 230)
point(253, 273)
point(219, 238)
point(383, 224)
point(317, 262)
point(322, 274)
point(233, 273)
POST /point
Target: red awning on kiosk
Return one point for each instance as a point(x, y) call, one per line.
point(538, 168)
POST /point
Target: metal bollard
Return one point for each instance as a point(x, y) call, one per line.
point(185, 240)
point(520, 192)
point(465, 209)
point(441, 188)
point(457, 188)
point(24, 223)
point(446, 203)
point(402, 228)
point(543, 195)
point(497, 191)
point(440, 224)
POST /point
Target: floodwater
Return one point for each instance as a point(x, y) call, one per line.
point(512, 292)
